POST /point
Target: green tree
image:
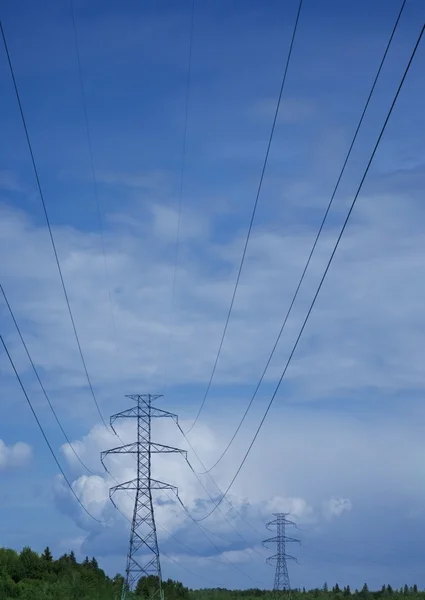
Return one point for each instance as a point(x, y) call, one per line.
point(47, 555)
point(10, 563)
point(31, 565)
point(8, 588)
point(147, 586)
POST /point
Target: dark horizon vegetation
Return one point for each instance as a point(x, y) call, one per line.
point(27, 575)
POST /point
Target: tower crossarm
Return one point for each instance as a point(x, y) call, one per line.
point(281, 539)
point(162, 449)
point(144, 398)
point(133, 485)
point(291, 539)
point(161, 485)
point(277, 557)
point(269, 541)
point(158, 413)
point(127, 485)
point(281, 517)
point(130, 413)
point(127, 449)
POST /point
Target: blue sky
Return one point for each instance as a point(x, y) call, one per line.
point(342, 448)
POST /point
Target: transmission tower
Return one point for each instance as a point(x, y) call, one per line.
point(281, 580)
point(143, 554)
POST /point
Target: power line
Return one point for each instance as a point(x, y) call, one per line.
point(182, 544)
point(44, 434)
point(221, 537)
point(217, 486)
point(48, 223)
point(171, 535)
point(218, 535)
point(200, 527)
point(94, 179)
point(143, 447)
point(162, 527)
point(212, 500)
point(186, 569)
point(324, 274)
point(40, 382)
point(314, 244)
point(175, 538)
point(182, 173)
point(93, 173)
point(252, 218)
point(212, 543)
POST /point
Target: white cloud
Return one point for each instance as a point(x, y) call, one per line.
point(348, 346)
point(15, 456)
point(296, 507)
point(311, 482)
point(93, 493)
point(364, 330)
point(335, 507)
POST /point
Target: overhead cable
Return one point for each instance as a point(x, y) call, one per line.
point(254, 210)
point(49, 225)
point(93, 174)
point(313, 247)
point(45, 436)
point(323, 276)
point(217, 486)
point(201, 529)
point(34, 368)
point(182, 178)
point(212, 543)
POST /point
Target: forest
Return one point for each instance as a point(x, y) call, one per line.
point(27, 575)
point(323, 593)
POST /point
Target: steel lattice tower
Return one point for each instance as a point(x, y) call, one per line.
point(281, 580)
point(143, 554)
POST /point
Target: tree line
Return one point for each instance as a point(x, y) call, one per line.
point(31, 576)
point(324, 593)
point(27, 575)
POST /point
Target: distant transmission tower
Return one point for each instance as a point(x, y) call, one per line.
point(281, 580)
point(143, 554)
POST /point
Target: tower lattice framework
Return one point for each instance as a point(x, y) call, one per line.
point(281, 580)
point(143, 556)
